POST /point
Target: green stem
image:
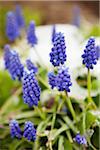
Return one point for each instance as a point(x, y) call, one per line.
point(61, 104)
point(52, 126)
point(89, 85)
point(43, 82)
point(75, 147)
point(41, 114)
point(50, 145)
point(68, 101)
point(91, 144)
point(89, 89)
point(53, 121)
point(69, 136)
point(70, 123)
point(17, 144)
point(84, 117)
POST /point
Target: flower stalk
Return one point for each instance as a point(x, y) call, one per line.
point(89, 86)
point(89, 89)
point(68, 101)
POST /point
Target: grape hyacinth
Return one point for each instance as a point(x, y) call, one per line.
point(61, 81)
point(53, 32)
point(31, 89)
point(31, 36)
point(31, 66)
point(13, 64)
point(90, 55)
point(19, 17)
point(76, 16)
point(12, 30)
point(52, 79)
point(15, 129)
point(29, 131)
point(80, 139)
point(98, 52)
point(58, 52)
point(7, 54)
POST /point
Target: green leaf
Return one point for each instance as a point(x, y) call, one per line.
point(81, 124)
point(15, 144)
point(90, 119)
point(67, 145)
point(96, 100)
point(8, 104)
point(8, 86)
point(95, 84)
point(70, 124)
point(57, 132)
point(26, 114)
point(94, 31)
point(95, 140)
point(61, 143)
point(3, 11)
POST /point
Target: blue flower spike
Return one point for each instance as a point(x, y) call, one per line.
point(53, 32)
point(58, 51)
point(13, 64)
point(15, 129)
point(31, 89)
point(7, 54)
point(98, 51)
point(76, 16)
point(12, 30)
point(52, 79)
point(19, 17)
point(90, 54)
point(29, 131)
point(31, 66)
point(80, 139)
point(63, 80)
point(31, 35)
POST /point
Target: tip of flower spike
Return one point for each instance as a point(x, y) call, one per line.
point(13, 64)
point(13, 121)
point(98, 51)
point(7, 47)
point(92, 38)
point(10, 14)
point(76, 16)
point(7, 55)
point(32, 22)
point(28, 123)
point(12, 30)
point(53, 32)
point(31, 36)
point(18, 7)
point(31, 66)
point(52, 79)
point(19, 16)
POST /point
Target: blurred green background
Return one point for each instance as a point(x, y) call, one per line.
point(51, 12)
